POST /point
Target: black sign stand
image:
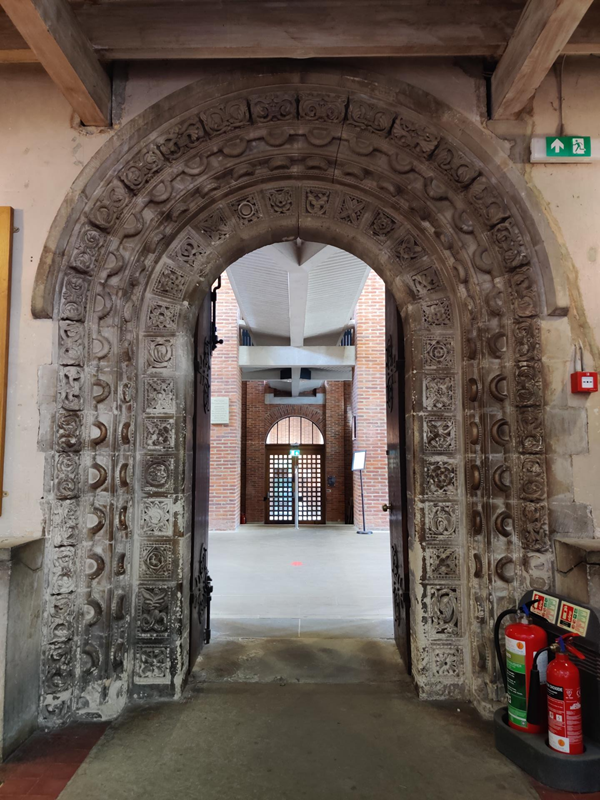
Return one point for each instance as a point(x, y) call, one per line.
point(358, 462)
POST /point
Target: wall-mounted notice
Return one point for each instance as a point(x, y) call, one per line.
point(546, 607)
point(219, 411)
point(574, 618)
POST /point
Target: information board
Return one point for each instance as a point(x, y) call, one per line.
point(219, 411)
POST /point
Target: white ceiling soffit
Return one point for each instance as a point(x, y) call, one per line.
point(261, 291)
point(297, 291)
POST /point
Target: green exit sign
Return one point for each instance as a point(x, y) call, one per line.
point(564, 148)
point(294, 452)
point(569, 146)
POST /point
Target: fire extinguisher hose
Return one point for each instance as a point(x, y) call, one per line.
point(501, 663)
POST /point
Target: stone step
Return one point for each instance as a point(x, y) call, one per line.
point(317, 660)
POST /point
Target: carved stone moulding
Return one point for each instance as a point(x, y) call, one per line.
point(167, 216)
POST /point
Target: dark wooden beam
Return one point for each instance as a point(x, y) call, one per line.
point(541, 35)
point(54, 35)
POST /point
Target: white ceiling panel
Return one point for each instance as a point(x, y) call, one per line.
point(264, 281)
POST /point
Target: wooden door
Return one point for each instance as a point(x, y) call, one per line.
point(396, 453)
point(201, 586)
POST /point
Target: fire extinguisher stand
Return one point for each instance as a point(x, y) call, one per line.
point(530, 751)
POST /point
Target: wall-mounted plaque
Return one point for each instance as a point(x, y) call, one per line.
point(219, 411)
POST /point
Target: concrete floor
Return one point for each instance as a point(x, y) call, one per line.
point(272, 736)
point(300, 696)
point(316, 581)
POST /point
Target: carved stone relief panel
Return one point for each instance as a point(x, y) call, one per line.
point(437, 314)
point(157, 517)
point(156, 560)
point(439, 434)
point(444, 606)
point(162, 317)
point(281, 201)
point(181, 138)
point(438, 352)
point(316, 201)
point(158, 473)
point(442, 563)
point(448, 662)
point(159, 395)
point(351, 210)
point(322, 106)
point(159, 433)
point(160, 354)
point(226, 117)
point(246, 210)
point(154, 608)
point(152, 664)
point(528, 384)
point(415, 134)
point(441, 520)
point(171, 283)
point(440, 477)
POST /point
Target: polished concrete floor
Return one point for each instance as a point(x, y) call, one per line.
point(316, 581)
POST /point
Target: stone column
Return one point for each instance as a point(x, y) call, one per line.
point(21, 585)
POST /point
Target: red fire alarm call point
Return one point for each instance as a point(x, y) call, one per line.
point(582, 381)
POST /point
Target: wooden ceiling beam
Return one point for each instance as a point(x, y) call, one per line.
point(54, 35)
point(206, 29)
point(542, 33)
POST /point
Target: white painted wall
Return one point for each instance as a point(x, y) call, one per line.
point(42, 150)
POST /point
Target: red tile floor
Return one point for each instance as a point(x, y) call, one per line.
point(552, 794)
point(41, 768)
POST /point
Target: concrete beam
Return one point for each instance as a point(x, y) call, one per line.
point(266, 357)
point(317, 374)
point(541, 35)
point(318, 400)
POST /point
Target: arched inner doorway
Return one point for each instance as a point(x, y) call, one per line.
point(295, 476)
point(210, 174)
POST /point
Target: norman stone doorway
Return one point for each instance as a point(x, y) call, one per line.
point(207, 175)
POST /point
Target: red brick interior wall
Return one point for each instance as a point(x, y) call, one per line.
point(334, 452)
point(364, 398)
point(368, 401)
point(225, 440)
point(260, 417)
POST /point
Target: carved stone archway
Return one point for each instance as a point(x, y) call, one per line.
point(205, 176)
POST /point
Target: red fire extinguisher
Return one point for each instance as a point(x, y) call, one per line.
point(523, 639)
point(565, 732)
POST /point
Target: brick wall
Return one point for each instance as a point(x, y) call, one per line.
point(225, 440)
point(364, 398)
point(260, 417)
point(369, 405)
point(334, 451)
